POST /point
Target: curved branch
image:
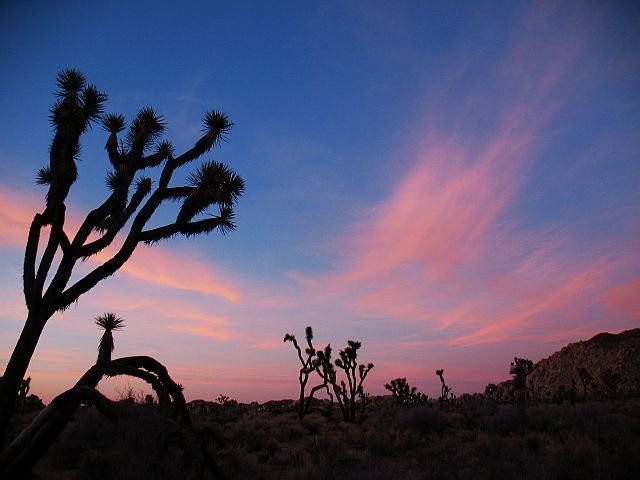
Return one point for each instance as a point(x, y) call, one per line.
point(33, 442)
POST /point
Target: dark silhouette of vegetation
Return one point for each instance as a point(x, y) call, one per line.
point(25, 387)
point(130, 205)
point(520, 369)
point(309, 363)
point(610, 384)
point(356, 374)
point(320, 362)
point(226, 402)
point(109, 322)
point(403, 394)
point(585, 379)
point(446, 394)
point(25, 450)
point(490, 391)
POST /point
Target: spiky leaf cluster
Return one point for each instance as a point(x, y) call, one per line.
point(109, 322)
point(145, 128)
point(78, 104)
point(213, 183)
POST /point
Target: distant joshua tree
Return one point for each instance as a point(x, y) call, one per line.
point(132, 201)
point(226, 402)
point(403, 394)
point(446, 394)
point(521, 368)
point(610, 383)
point(309, 363)
point(347, 392)
point(25, 387)
point(490, 391)
point(585, 379)
point(109, 322)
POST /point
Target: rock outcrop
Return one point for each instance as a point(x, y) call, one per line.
point(609, 364)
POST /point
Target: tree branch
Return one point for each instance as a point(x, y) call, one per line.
point(187, 229)
point(30, 254)
point(103, 242)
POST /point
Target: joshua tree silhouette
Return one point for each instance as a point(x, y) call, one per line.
point(403, 394)
point(133, 200)
point(347, 392)
point(109, 322)
point(446, 392)
point(309, 363)
point(521, 368)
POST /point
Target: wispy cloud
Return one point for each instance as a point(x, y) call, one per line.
point(446, 248)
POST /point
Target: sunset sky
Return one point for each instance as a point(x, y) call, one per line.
point(451, 183)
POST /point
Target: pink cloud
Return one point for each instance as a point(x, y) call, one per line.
point(445, 250)
point(160, 266)
point(624, 299)
point(16, 214)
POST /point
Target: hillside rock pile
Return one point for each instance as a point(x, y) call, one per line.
point(612, 362)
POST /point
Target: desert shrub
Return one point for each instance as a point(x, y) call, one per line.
point(423, 419)
point(474, 407)
point(226, 402)
point(289, 432)
point(505, 421)
point(142, 444)
point(542, 418)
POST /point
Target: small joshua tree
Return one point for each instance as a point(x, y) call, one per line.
point(521, 368)
point(226, 402)
point(110, 323)
point(490, 391)
point(25, 387)
point(403, 394)
point(610, 383)
point(309, 363)
point(446, 394)
point(585, 379)
point(356, 375)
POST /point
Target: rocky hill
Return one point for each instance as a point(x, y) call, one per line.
point(607, 365)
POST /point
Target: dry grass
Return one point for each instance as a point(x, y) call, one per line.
point(474, 441)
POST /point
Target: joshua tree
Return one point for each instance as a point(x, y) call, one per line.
point(490, 391)
point(610, 383)
point(520, 369)
point(347, 392)
point(25, 387)
point(309, 363)
point(585, 379)
point(109, 322)
point(403, 394)
point(133, 199)
point(446, 392)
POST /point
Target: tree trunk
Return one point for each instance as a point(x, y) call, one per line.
point(17, 368)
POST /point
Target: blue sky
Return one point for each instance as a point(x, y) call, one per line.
point(452, 184)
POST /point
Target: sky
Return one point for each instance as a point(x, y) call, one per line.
point(452, 183)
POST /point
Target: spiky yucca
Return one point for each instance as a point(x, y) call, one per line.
point(109, 322)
